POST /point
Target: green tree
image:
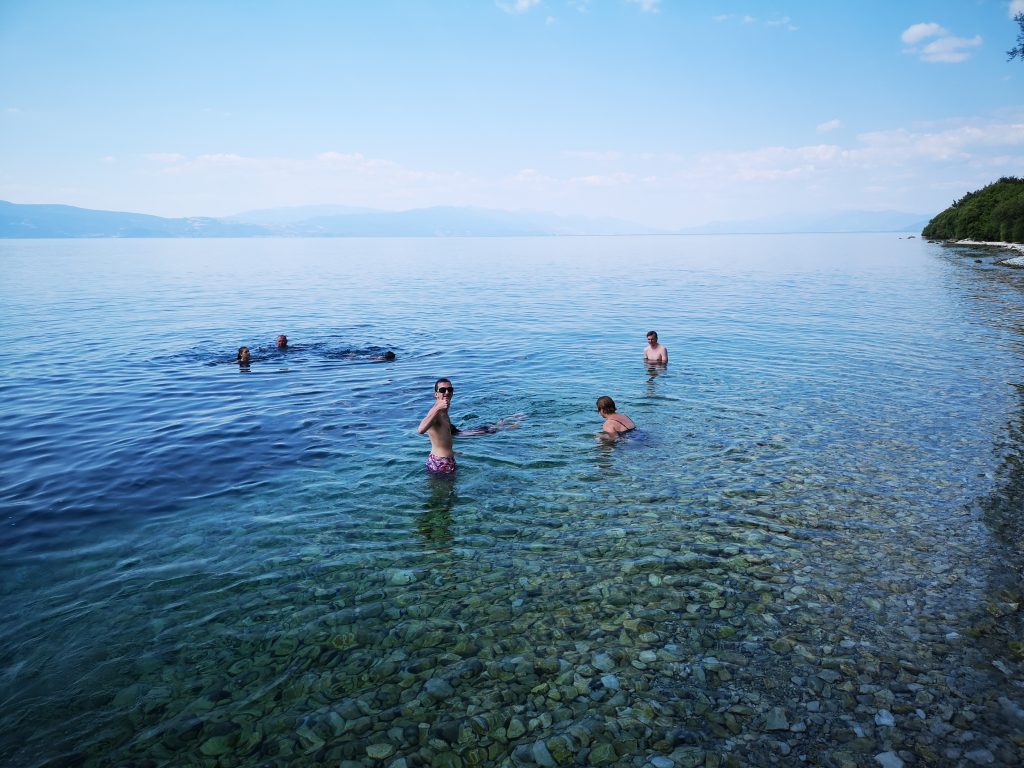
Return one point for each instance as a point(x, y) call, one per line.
point(1018, 49)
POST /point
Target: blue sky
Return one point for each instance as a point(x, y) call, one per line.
point(671, 113)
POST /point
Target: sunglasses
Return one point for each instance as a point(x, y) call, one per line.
point(446, 390)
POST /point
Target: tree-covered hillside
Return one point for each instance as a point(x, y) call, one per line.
point(994, 213)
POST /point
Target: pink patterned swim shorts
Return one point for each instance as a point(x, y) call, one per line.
point(441, 465)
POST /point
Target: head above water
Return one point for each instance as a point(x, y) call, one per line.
point(652, 337)
point(443, 388)
point(605, 404)
point(389, 355)
point(282, 341)
point(243, 355)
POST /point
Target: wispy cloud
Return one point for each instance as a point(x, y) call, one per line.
point(915, 33)
point(606, 180)
point(593, 155)
point(891, 167)
point(516, 6)
point(722, 18)
point(972, 141)
point(165, 157)
point(647, 6)
point(946, 48)
point(777, 22)
point(1016, 6)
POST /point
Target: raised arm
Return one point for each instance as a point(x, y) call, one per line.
point(429, 419)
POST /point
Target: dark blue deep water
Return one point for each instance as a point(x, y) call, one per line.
point(808, 552)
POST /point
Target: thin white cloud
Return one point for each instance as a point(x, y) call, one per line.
point(1016, 6)
point(776, 22)
point(12, 111)
point(516, 6)
point(647, 6)
point(606, 180)
point(165, 157)
point(906, 164)
point(782, 22)
point(593, 155)
point(956, 142)
point(947, 48)
point(915, 33)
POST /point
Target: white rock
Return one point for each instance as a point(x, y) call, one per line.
point(889, 760)
point(884, 718)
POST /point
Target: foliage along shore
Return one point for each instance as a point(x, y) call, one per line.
point(992, 214)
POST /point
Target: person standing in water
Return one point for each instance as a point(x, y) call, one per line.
point(439, 428)
point(654, 352)
point(614, 423)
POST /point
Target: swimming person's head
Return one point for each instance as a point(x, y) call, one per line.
point(652, 337)
point(389, 355)
point(605, 404)
point(243, 355)
point(282, 341)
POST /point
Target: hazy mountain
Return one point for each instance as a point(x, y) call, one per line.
point(460, 222)
point(37, 221)
point(841, 221)
point(273, 217)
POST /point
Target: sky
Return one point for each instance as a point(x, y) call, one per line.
point(667, 113)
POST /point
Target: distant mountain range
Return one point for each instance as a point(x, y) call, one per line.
point(65, 221)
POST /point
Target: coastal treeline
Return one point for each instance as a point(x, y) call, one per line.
point(993, 213)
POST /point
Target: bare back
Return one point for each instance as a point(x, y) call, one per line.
point(615, 423)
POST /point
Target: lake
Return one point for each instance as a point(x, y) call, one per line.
point(809, 552)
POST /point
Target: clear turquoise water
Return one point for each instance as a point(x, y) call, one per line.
point(210, 566)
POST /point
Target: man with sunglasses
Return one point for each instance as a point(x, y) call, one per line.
point(439, 429)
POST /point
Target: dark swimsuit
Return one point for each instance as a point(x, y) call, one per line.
point(611, 417)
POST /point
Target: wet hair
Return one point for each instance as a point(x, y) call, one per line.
point(240, 351)
point(389, 355)
point(606, 404)
point(282, 340)
point(653, 333)
point(449, 381)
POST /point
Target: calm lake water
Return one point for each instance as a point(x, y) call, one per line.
point(808, 552)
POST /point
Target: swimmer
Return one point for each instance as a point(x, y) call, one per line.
point(282, 342)
point(508, 422)
point(655, 352)
point(386, 357)
point(439, 428)
point(614, 423)
point(243, 356)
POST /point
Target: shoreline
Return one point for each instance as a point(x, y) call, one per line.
point(1012, 261)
